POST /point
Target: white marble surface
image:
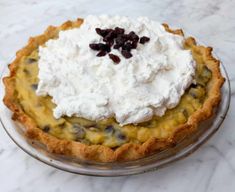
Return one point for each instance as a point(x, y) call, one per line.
point(211, 168)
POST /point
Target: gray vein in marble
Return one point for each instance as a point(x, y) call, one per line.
point(212, 172)
point(51, 173)
point(223, 156)
point(1, 151)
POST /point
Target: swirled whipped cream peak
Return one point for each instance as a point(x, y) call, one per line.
point(132, 91)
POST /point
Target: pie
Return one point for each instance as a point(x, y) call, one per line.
point(106, 140)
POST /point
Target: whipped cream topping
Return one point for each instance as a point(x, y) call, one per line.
point(83, 85)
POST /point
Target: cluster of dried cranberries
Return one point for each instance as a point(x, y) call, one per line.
point(117, 39)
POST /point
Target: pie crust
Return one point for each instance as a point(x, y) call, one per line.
point(127, 151)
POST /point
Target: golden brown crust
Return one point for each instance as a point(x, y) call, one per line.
point(128, 151)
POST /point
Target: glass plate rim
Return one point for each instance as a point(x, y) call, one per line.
point(121, 173)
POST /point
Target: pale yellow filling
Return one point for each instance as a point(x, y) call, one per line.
point(106, 132)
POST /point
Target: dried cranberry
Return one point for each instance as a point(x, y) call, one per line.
point(134, 44)
point(108, 30)
point(94, 46)
point(115, 58)
point(104, 47)
point(133, 36)
point(144, 39)
point(120, 40)
point(119, 30)
point(110, 43)
point(102, 32)
point(101, 54)
point(126, 54)
point(127, 37)
point(117, 38)
point(111, 35)
point(98, 31)
point(127, 46)
point(131, 33)
point(116, 46)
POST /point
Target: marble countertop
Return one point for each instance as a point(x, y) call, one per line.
point(211, 168)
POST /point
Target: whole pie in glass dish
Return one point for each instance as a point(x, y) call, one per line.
point(111, 89)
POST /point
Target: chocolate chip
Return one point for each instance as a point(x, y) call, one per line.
point(144, 39)
point(46, 128)
point(34, 86)
point(126, 54)
point(31, 60)
point(109, 129)
point(101, 54)
point(94, 46)
point(115, 58)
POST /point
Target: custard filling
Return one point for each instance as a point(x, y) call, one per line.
point(105, 132)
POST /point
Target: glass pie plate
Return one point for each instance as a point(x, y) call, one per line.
point(153, 162)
